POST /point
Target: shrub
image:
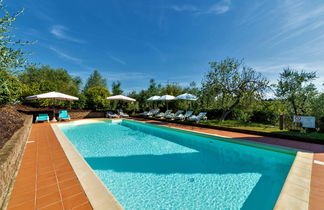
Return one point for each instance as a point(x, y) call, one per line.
point(10, 88)
point(96, 98)
point(241, 115)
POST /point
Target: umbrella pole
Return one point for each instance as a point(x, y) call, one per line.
point(54, 119)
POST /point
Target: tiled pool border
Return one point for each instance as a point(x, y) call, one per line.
point(294, 194)
point(98, 194)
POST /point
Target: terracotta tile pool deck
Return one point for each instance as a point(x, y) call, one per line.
point(46, 180)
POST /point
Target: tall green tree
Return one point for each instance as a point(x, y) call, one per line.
point(41, 79)
point(11, 55)
point(296, 88)
point(230, 82)
point(116, 88)
point(94, 80)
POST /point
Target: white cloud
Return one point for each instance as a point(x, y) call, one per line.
point(60, 32)
point(66, 56)
point(296, 19)
point(118, 60)
point(184, 8)
point(219, 8)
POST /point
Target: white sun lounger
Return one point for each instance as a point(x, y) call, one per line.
point(173, 115)
point(197, 118)
point(184, 116)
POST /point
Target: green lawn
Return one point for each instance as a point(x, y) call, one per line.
point(261, 127)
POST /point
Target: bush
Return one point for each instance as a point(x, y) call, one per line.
point(81, 103)
point(96, 98)
point(10, 88)
point(241, 115)
point(264, 116)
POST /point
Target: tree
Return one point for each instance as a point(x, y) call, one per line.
point(94, 80)
point(154, 88)
point(172, 89)
point(297, 89)
point(116, 88)
point(11, 56)
point(43, 79)
point(230, 82)
point(96, 98)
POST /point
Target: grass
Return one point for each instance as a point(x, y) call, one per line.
point(261, 128)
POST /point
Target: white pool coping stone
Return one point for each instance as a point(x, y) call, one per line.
point(296, 190)
point(98, 194)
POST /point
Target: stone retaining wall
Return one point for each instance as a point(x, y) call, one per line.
point(10, 158)
point(86, 114)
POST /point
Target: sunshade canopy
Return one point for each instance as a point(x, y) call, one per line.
point(187, 96)
point(166, 98)
point(154, 98)
point(120, 98)
point(54, 95)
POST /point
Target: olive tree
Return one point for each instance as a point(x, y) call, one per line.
point(230, 82)
point(11, 56)
point(296, 88)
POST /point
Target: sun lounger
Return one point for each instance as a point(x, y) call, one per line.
point(63, 115)
point(162, 115)
point(42, 117)
point(154, 112)
point(197, 118)
point(173, 115)
point(184, 116)
point(110, 114)
point(121, 113)
point(146, 113)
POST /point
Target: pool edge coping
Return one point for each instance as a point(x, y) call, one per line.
point(98, 194)
point(295, 192)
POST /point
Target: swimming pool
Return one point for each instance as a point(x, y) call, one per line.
point(153, 167)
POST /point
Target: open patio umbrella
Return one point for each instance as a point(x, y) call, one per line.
point(153, 98)
point(53, 95)
point(186, 97)
point(120, 98)
point(166, 98)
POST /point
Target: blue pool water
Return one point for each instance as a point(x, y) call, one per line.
point(149, 167)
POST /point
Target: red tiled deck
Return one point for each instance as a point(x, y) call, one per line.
point(46, 179)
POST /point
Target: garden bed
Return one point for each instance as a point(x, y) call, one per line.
point(11, 121)
point(15, 129)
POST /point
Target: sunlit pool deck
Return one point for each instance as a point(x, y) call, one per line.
point(53, 175)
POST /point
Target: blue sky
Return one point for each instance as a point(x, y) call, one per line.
point(133, 41)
